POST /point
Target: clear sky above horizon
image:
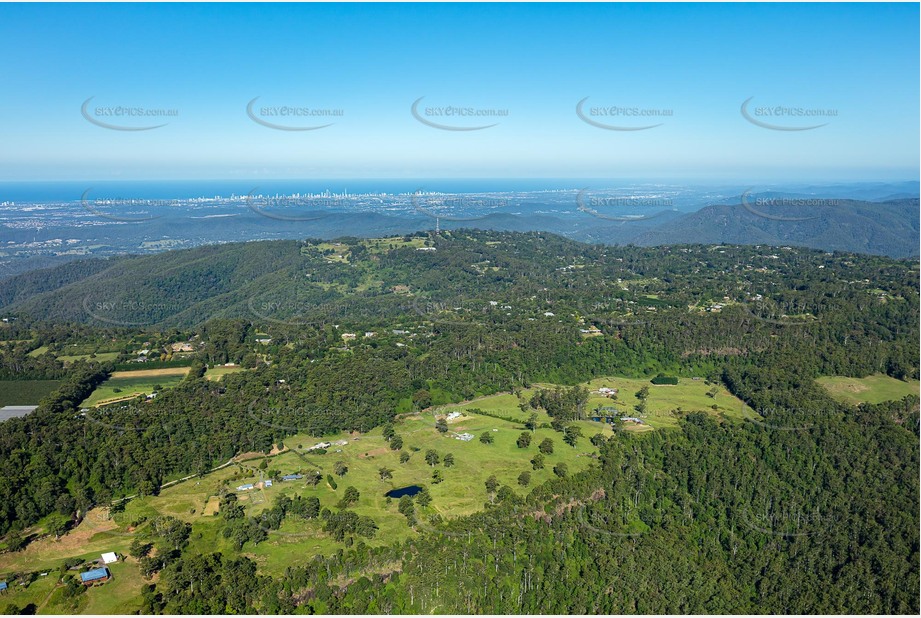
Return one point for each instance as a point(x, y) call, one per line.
point(857, 62)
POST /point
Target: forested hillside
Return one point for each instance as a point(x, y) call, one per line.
point(808, 506)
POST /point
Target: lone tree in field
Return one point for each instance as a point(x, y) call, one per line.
point(449, 460)
point(486, 437)
point(643, 393)
point(524, 479)
point(385, 473)
point(389, 431)
point(441, 425)
point(407, 509)
point(571, 435)
point(524, 440)
point(561, 469)
point(404, 457)
point(492, 484)
point(432, 458)
point(546, 447)
point(349, 498)
point(538, 462)
point(437, 477)
point(396, 443)
point(340, 468)
point(531, 423)
point(424, 498)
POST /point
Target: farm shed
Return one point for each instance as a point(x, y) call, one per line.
point(95, 576)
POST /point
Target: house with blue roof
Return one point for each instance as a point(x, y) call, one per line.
point(95, 576)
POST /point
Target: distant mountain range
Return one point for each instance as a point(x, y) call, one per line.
point(882, 228)
point(888, 228)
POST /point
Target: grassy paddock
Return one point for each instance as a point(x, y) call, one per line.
point(216, 373)
point(871, 389)
point(130, 384)
point(665, 404)
point(462, 492)
point(100, 357)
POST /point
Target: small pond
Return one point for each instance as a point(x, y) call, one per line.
point(410, 490)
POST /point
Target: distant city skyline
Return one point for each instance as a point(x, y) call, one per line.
point(660, 92)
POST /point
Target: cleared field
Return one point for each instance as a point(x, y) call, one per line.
point(461, 492)
point(216, 373)
point(871, 389)
point(129, 384)
point(664, 405)
point(38, 351)
point(335, 252)
point(37, 593)
point(25, 392)
point(379, 245)
point(99, 357)
point(120, 595)
point(95, 534)
point(212, 507)
point(147, 373)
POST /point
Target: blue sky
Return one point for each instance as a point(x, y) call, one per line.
point(536, 61)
